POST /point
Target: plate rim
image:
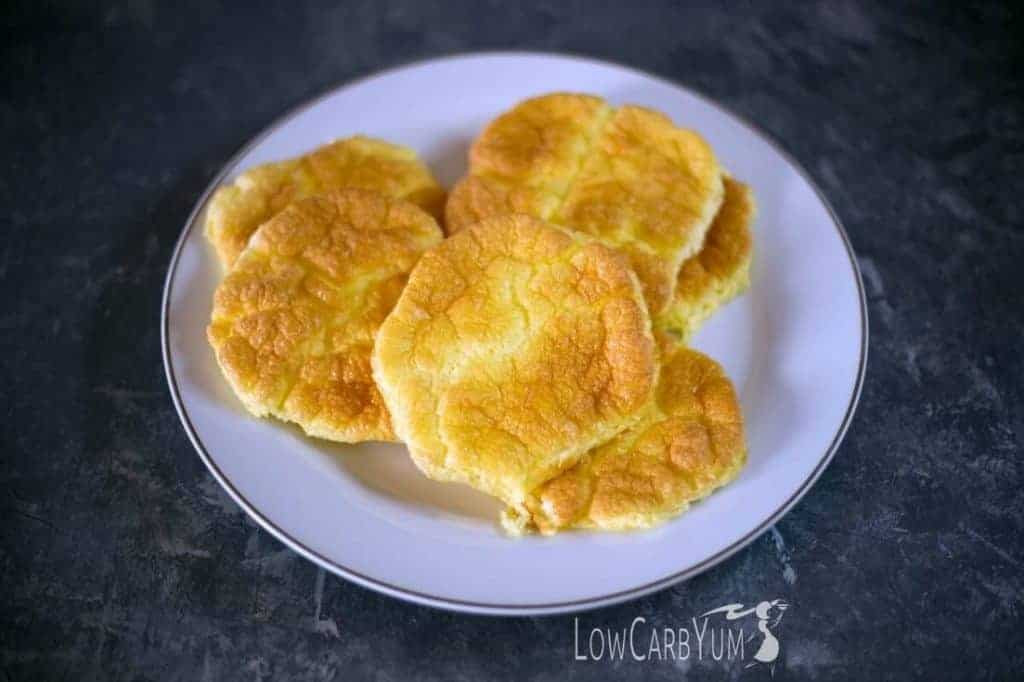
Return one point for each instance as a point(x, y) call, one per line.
point(466, 606)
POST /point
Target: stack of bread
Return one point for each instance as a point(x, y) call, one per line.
point(534, 347)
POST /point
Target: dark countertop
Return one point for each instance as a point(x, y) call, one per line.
point(120, 558)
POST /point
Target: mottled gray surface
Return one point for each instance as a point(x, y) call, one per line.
point(120, 558)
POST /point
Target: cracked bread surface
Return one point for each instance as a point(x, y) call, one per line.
point(688, 443)
point(515, 347)
point(626, 176)
point(237, 209)
point(294, 320)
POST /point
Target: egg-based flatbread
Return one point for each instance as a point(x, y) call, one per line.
point(237, 209)
point(515, 347)
point(627, 176)
point(721, 269)
point(294, 319)
point(689, 442)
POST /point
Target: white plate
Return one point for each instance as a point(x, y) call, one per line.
point(795, 346)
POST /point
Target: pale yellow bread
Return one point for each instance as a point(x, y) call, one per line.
point(237, 209)
point(515, 347)
point(689, 442)
point(294, 320)
point(721, 270)
point(628, 177)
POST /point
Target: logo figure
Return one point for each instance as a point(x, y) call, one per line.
point(769, 649)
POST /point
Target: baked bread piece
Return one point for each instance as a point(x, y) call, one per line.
point(689, 442)
point(237, 209)
point(515, 347)
point(294, 320)
point(627, 176)
point(721, 270)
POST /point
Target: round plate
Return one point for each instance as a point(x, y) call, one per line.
point(795, 346)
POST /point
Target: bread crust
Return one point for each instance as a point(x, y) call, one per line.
point(689, 443)
point(721, 270)
point(627, 176)
point(294, 320)
point(515, 347)
point(258, 194)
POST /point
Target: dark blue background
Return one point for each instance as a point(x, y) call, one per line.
point(120, 558)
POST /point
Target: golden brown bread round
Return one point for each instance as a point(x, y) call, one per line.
point(721, 270)
point(294, 320)
point(237, 209)
point(515, 347)
point(688, 443)
point(627, 176)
